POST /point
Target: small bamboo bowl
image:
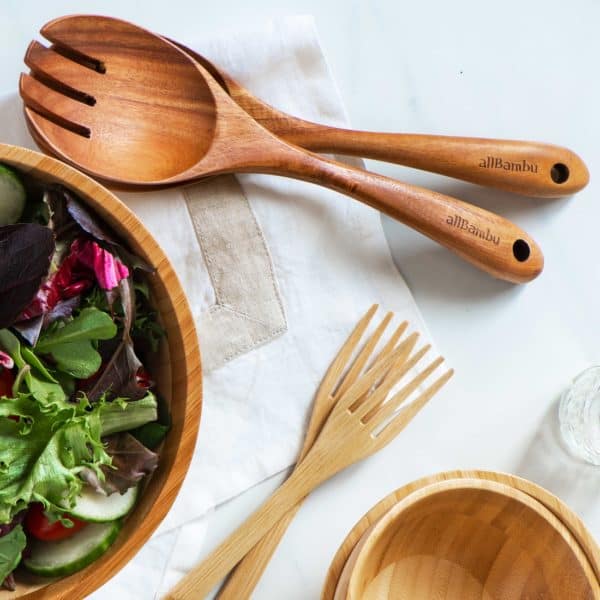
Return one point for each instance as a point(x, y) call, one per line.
point(467, 539)
point(178, 374)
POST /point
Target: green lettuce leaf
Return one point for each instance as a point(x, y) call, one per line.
point(11, 547)
point(47, 450)
point(71, 345)
point(44, 452)
point(33, 375)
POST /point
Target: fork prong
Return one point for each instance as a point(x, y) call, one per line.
point(335, 370)
point(366, 409)
point(406, 415)
point(38, 97)
point(386, 410)
point(77, 32)
point(324, 400)
point(59, 72)
point(364, 383)
point(361, 360)
point(390, 344)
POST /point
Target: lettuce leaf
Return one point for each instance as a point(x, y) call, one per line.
point(32, 373)
point(11, 546)
point(25, 252)
point(131, 462)
point(71, 344)
point(44, 452)
point(47, 449)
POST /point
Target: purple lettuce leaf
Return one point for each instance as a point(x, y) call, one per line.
point(131, 462)
point(62, 310)
point(89, 223)
point(83, 217)
point(25, 253)
point(9, 583)
point(60, 220)
point(119, 376)
point(7, 362)
point(30, 329)
point(17, 520)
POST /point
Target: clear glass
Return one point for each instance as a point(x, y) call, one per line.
point(579, 416)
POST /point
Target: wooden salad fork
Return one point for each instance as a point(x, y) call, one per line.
point(131, 108)
point(528, 168)
point(365, 414)
point(341, 374)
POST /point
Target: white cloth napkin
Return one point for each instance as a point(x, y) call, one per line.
point(277, 273)
point(330, 261)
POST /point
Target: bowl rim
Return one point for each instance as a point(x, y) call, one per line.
point(84, 582)
point(350, 578)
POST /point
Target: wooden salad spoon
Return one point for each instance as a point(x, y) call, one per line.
point(129, 107)
point(528, 168)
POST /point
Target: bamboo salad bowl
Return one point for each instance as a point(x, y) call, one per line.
point(468, 539)
point(177, 372)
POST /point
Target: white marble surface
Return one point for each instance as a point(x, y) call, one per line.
point(511, 69)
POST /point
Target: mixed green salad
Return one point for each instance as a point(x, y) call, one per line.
point(80, 421)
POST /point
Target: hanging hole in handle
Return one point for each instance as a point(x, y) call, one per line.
point(521, 250)
point(559, 173)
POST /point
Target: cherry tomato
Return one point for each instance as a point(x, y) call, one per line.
point(7, 380)
point(38, 525)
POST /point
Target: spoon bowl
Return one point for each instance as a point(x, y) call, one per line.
point(130, 107)
point(105, 120)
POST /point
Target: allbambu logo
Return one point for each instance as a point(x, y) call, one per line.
point(465, 225)
point(495, 162)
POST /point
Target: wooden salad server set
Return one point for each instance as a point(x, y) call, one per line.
point(130, 107)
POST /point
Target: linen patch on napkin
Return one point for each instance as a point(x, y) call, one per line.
point(248, 310)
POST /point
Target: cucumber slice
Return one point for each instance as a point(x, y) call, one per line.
point(64, 557)
point(97, 508)
point(12, 196)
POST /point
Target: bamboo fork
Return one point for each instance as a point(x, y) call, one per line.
point(247, 574)
point(362, 421)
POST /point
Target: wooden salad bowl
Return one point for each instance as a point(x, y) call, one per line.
point(177, 371)
point(468, 539)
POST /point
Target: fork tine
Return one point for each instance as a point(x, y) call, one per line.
point(406, 415)
point(365, 383)
point(58, 72)
point(38, 97)
point(75, 33)
point(387, 409)
point(390, 344)
point(386, 351)
point(367, 409)
point(335, 370)
point(361, 360)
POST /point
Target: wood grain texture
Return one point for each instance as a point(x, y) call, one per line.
point(528, 168)
point(178, 375)
point(347, 550)
point(467, 539)
point(364, 419)
point(158, 118)
point(343, 372)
